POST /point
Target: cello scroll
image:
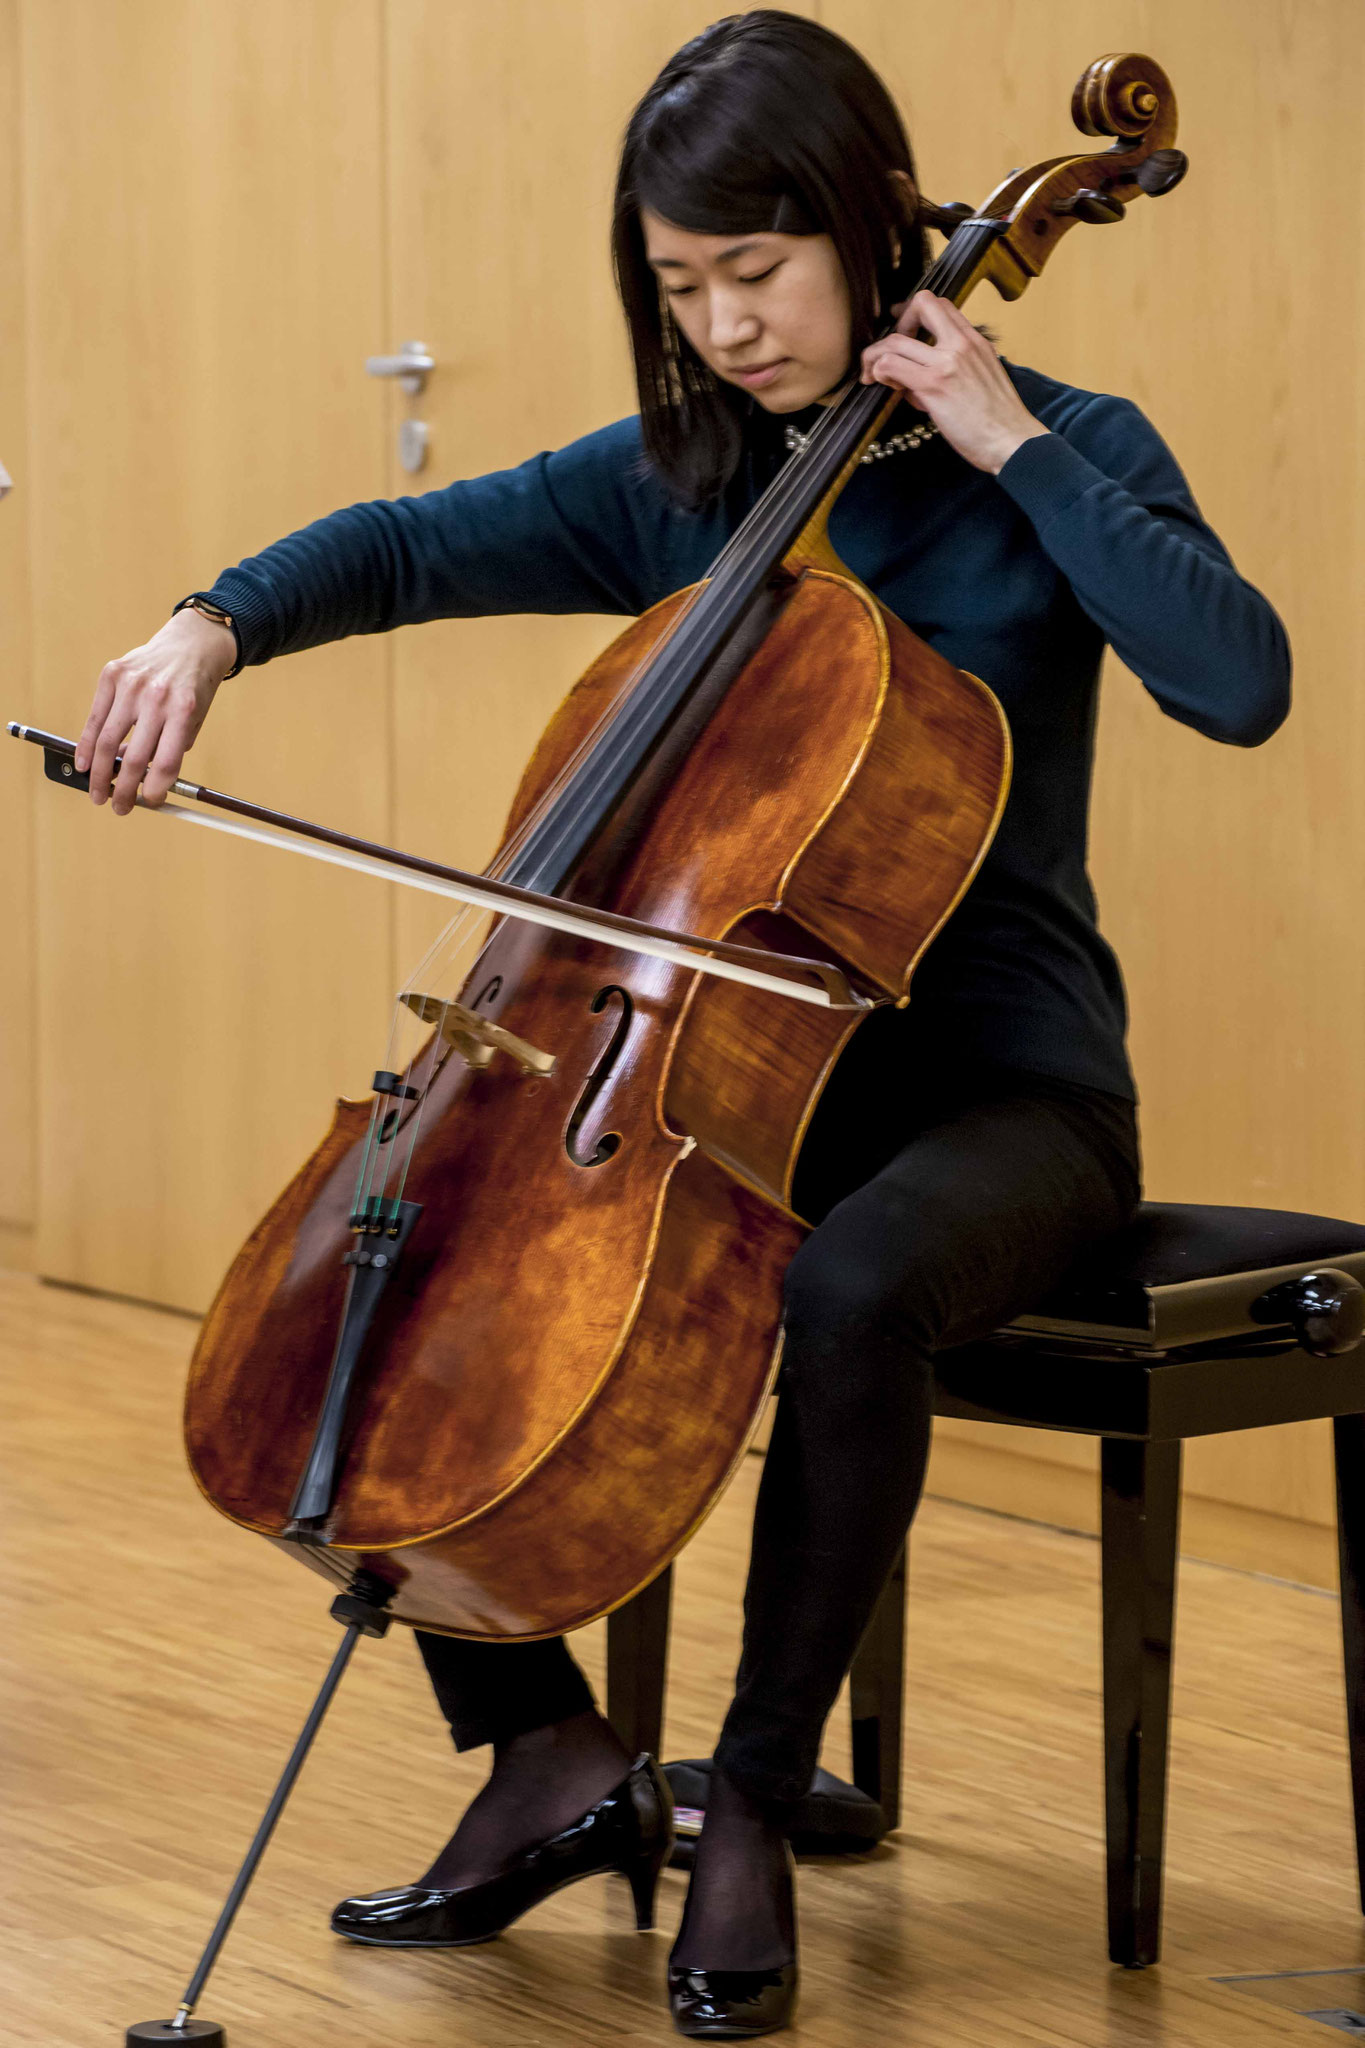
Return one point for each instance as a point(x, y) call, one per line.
point(1126, 96)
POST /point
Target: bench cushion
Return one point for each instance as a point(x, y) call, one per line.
point(1178, 1246)
point(1172, 1241)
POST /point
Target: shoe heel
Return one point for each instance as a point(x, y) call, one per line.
point(643, 1879)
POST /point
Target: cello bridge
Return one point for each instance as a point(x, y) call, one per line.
point(477, 1038)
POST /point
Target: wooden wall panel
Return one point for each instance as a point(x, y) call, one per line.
point(204, 280)
point(1227, 880)
point(18, 1043)
point(227, 207)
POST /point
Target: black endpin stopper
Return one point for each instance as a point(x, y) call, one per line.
point(206, 2032)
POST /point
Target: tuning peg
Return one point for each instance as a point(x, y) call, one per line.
point(945, 218)
point(1162, 171)
point(1093, 206)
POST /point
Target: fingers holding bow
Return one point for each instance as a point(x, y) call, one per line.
point(947, 367)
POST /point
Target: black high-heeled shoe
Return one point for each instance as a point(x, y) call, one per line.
point(735, 2005)
point(731, 2005)
point(630, 1831)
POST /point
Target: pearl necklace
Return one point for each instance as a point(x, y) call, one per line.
point(897, 444)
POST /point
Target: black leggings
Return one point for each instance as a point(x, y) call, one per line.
point(948, 1206)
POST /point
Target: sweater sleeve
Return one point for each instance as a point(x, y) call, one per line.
point(1113, 511)
point(585, 529)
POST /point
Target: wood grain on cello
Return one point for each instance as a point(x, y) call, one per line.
point(543, 1423)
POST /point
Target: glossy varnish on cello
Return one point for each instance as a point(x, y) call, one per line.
point(572, 1355)
point(573, 1346)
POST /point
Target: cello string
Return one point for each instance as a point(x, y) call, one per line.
point(745, 544)
point(377, 1147)
point(545, 807)
point(843, 426)
point(445, 945)
point(763, 518)
point(437, 1054)
point(384, 1162)
point(442, 956)
point(748, 540)
point(745, 547)
point(452, 956)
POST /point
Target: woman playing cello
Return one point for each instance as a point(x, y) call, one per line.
point(968, 1147)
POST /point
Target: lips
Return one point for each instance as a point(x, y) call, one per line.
point(761, 373)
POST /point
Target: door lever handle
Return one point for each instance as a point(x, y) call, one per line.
point(411, 366)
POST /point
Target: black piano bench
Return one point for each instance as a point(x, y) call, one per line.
point(1192, 1322)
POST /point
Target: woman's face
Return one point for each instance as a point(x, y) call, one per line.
point(768, 313)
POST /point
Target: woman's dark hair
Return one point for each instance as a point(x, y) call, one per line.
point(763, 123)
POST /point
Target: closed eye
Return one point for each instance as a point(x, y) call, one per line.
point(685, 291)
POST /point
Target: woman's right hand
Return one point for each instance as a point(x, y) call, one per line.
point(151, 703)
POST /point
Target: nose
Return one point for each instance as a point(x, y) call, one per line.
point(733, 324)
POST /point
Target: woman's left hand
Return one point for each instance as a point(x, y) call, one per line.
point(958, 379)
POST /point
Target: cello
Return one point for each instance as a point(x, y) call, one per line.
point(493, 1353)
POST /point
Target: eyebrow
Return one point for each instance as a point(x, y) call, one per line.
point(678, 263)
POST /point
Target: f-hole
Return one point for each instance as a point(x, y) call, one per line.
point(597, 1081)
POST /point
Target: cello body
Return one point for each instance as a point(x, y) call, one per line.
point(587, 1319)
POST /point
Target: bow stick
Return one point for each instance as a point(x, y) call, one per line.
point(808, 981)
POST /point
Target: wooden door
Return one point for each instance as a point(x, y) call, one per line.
point(203, 271)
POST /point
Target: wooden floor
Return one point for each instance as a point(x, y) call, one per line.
point(154, 1664)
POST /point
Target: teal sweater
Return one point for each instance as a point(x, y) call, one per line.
point(1088, 536)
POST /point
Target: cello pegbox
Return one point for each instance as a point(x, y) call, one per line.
point(1126, 96)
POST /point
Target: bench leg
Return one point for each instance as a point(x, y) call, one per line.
point(637, 1665)
point(877, 1698)
point(1349, 1432)
point(1139, 1531)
